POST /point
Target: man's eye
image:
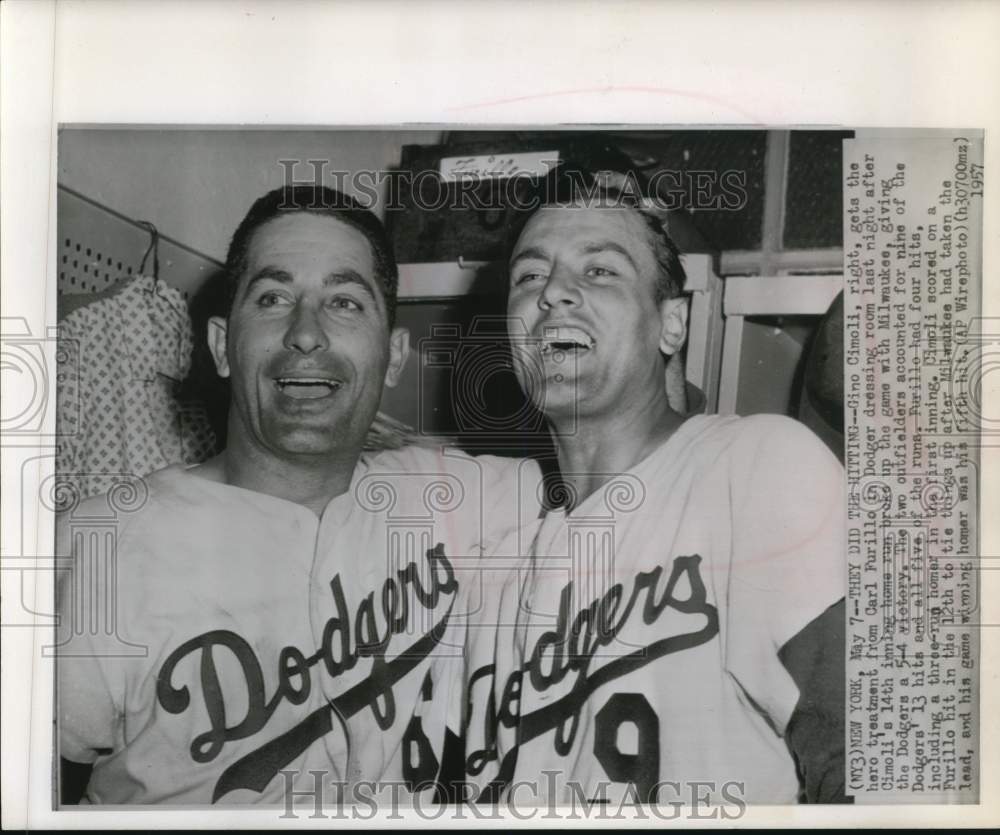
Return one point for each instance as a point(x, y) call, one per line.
point(600, 271)
point(270, 299)
point(525, 278)
point(345, 303)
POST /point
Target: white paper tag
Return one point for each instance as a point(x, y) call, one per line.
point(498, 166)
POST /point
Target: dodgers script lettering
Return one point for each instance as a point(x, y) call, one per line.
point(346, 640)
point(570, 649)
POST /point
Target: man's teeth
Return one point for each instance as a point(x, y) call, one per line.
point(565, 339)
point(308, 381)
point(307, 387)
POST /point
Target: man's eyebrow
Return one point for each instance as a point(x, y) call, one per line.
point(610, 246)
point(350, 276)
point(269, 273)
point(531, 252)
point(590, 248)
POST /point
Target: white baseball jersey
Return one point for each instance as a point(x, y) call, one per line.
point(214, 637)
point(636, 650)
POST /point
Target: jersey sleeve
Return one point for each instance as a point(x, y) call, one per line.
point(788, 555)
point(86, 707)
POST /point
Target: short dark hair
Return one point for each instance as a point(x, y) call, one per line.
point(316, 200)
point(603, 176)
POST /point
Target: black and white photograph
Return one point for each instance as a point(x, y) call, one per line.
point(591, 470)
point(470, 464)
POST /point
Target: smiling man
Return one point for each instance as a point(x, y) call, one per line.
point(277, 609)
point(307, 347)
point(676, 634)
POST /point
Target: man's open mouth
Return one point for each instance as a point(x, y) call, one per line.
point(565, 340)
point(307, 388)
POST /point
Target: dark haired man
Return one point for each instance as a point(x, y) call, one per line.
point(278, 608)
point(677, 620)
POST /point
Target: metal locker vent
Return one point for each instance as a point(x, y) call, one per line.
point(85, 269)
point(98, 246)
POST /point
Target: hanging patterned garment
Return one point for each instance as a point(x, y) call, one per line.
point(121, 358)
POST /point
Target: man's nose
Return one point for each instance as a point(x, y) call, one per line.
point(305, 332)
point(561, 288)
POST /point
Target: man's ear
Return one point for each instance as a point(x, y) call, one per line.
point(399, 352)
point(673, 324)
point(217, 329)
